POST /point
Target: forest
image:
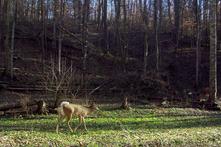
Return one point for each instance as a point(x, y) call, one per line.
point(140, 61)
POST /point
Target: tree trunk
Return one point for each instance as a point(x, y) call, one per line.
point(42, 107)
point(117, 23)
point(205, 15)
point(213, 54)
point(32, 15)
point(60, 37)
point(160, 9)
point(55, 18)
point(13, 38)
point(125, 104)
point(197, 16)
point(105, 25)
point(177, 22)
point(145, 15)
point(84, 38)
point(1, 27)
point(125, 42)
point(59, 50)
point(169, 12)
point(99, 14)
point(43, 33)
point(79, 20)
point(146, 51)
point(156, 28)
point(7, 34)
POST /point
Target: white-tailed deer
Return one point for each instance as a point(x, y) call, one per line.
point(67, 110)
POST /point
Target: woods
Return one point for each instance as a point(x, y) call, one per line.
point(109, 38)
point(144, 72)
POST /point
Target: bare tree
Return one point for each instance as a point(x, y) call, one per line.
point(60, 35)
point(99, 8)
point(33, 11)
point(43, 34)
point(145, 16)
point(160, 14)
point(117, 4)
point(169, 12)
point(104, 20)
point(197, 16)
point(79, 20)
point(6, 18)
point(13, 37)
point(156, 31)
point(213, 53)
point(57, 82)
point(1, 26)
point(124, 45)
point(177, 21)
point(85, 19)
point(205, 15)
point(55, 21)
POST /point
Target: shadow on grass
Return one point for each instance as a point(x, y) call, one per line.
point(111, 108)
point(49, 125)
point(159, 125)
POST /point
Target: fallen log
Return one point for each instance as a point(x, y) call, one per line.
point(36, 107)
point(16, 112)
point(6, 106)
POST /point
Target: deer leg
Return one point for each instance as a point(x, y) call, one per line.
point(80, 122)
point(84, 123)
point(60, 118)
point(68, 120)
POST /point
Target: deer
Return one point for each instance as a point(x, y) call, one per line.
point(67, 110)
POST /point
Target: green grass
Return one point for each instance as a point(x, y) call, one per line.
point(111, 127)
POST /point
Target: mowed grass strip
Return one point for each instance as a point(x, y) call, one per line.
point(113, 127)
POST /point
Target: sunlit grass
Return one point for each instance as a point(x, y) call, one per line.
point(114, 127)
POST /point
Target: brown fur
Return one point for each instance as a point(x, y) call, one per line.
point(67, 111)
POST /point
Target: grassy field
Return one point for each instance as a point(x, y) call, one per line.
point(139, 126)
